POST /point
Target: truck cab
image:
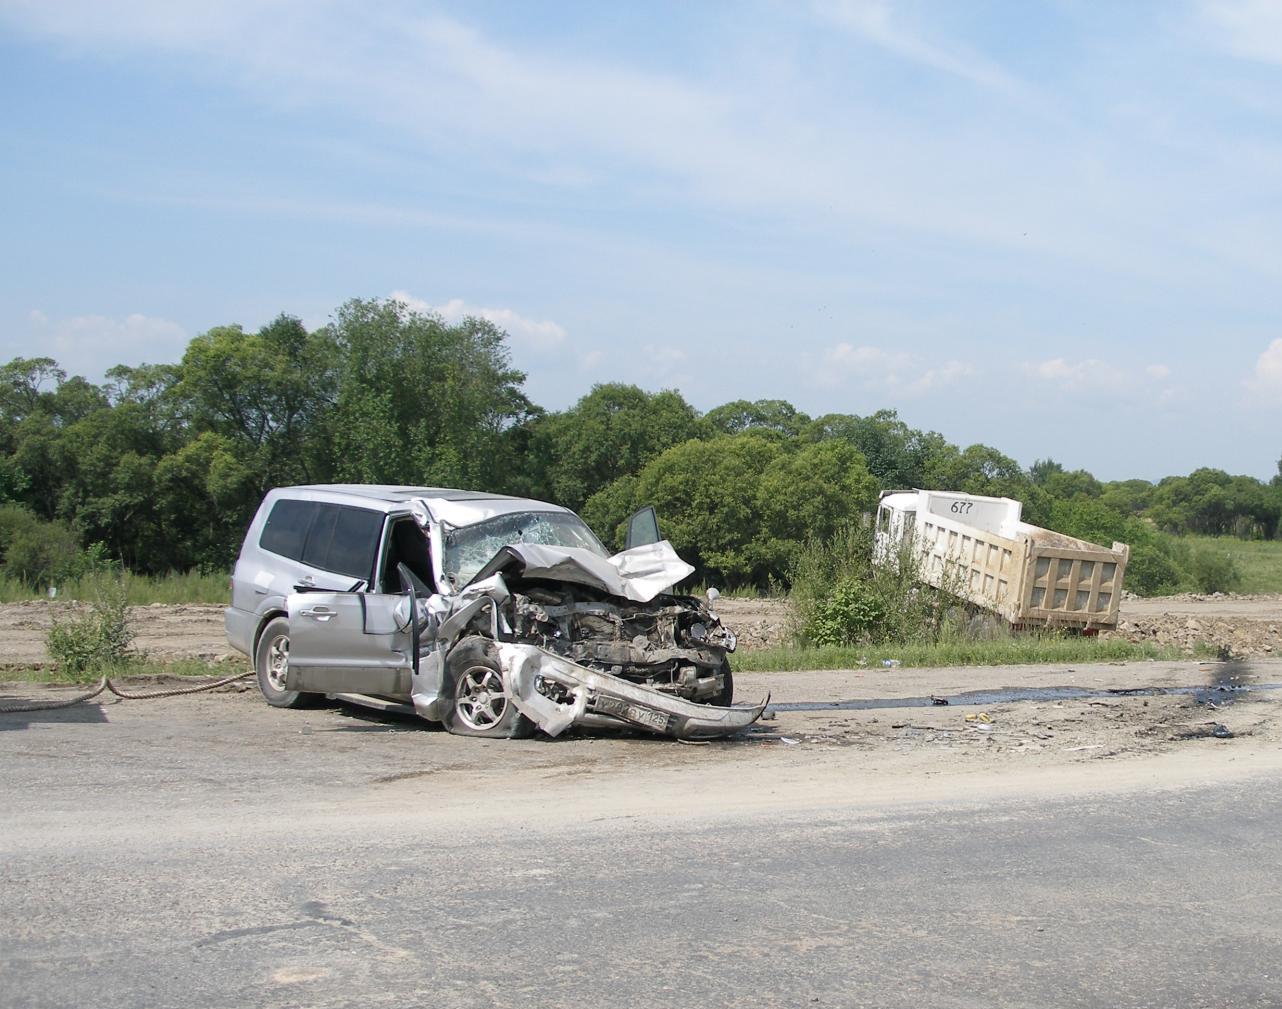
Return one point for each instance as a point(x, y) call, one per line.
point(896, 523)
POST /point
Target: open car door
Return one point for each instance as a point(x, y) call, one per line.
point(351, 642)
point(643, 528)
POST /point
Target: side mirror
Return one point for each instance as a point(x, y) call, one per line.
point(643, 528)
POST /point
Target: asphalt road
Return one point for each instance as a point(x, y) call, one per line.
point(146, 866)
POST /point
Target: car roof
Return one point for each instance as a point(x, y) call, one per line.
point(457, 507)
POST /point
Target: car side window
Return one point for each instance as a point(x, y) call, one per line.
point(344, 540)
point(286, 528)
point(356, 531)
point(316, 549)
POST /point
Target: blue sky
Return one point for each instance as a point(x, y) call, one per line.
point(1054, 228)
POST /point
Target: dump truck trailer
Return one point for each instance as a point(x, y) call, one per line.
point(980, 549)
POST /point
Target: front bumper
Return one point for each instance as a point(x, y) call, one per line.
point(602, 699)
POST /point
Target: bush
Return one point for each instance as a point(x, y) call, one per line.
point(840, 597)
point(1215, 571)
point(94, 639)
point(851, 613)
point(35, 552)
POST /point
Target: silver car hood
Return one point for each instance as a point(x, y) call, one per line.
point(638, 574)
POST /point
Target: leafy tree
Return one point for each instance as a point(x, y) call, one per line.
point(1130, 497)
point(266, 392)
point(611, 432)
point(898, 456)
point(1061, 483)
point(738, 507)
point(763, 416)
point(421, 401)
point(979, 469)
point(206, 495)
point(1212, 502)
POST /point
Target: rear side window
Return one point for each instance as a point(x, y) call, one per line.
point(344, 540)
point(286, 528)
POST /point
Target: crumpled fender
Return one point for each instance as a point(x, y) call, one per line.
point(597, 693)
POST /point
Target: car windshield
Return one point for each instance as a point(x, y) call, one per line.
point(469, 548)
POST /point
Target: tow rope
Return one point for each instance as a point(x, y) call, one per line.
point(106, 684)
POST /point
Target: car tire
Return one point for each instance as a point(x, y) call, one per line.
point(726, 697)
point(476, 703)
point(271, 661)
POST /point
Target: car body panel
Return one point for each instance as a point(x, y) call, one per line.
point(351, 642)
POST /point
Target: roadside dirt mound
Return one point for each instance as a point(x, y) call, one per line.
point(758, 623)
point(1233, 636)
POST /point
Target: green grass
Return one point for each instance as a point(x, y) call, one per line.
point(143, 590)
point(1259, 561)
point(1015, 650)
point(131, 668)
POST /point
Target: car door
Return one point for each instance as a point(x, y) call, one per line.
point(351, 643)
point(643, 528)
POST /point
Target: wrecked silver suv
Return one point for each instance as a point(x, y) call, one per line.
point(492, 615)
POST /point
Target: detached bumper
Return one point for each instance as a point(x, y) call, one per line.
point(599, 698)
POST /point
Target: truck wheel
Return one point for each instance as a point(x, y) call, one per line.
point(271, 661)
point(478, 706)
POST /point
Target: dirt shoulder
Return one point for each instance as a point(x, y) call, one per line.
point(180, 631)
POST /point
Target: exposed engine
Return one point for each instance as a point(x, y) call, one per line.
point(674, 644)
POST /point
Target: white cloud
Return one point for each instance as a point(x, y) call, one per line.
point(1248, 28)
point(90, 344)
point(1149, 384)
point(541, 333)
point(1078, 375)
point(1266, 379)
point(898, 371)
point(877, 21)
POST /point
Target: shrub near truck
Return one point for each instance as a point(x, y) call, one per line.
point(493, 615)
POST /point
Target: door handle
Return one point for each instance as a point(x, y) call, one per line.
point(321, 613)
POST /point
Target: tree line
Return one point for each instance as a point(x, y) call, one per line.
point(161, 466)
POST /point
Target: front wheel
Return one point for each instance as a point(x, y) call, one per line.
point(479, 706)
point(726, 697)
point(271, 662)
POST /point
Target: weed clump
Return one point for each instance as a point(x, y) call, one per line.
point(841, 598)
point(1215, 570)
point(95, 639)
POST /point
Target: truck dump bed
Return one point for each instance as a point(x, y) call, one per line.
point(978, 548)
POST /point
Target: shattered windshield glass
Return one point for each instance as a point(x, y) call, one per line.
point(469, 548)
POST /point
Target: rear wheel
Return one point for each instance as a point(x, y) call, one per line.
point(479, 706)
point(271, 662)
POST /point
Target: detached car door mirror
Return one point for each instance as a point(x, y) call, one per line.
point(643, 528)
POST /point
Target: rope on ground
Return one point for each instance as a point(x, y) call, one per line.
point(106, 684)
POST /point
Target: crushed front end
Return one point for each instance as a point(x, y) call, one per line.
point(672, 644)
